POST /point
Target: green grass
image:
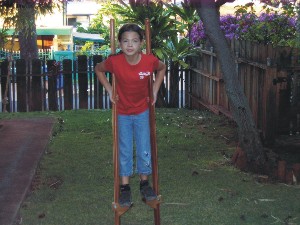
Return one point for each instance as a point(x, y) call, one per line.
point(74, 181)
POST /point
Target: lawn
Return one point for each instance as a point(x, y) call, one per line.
point(199, 186)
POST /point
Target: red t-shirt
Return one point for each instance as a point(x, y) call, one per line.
point(132, 82)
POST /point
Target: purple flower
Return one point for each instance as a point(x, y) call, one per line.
point(273, 28)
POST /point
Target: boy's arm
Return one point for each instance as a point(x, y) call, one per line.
point(161, 71)
point(100, 72)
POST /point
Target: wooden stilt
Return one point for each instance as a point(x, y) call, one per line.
point(115, 205)
point(155, 203)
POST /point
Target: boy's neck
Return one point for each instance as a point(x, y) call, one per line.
point(133, 59)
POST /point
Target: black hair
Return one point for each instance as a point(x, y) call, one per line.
point(131, 27)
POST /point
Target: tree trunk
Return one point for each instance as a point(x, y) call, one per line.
point(27, 33)
point(249, 139)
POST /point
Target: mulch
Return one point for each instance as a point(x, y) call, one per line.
point(22, 144)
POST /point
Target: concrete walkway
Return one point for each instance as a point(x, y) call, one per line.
point(22, 143)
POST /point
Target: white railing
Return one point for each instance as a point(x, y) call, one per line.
point(44, 54)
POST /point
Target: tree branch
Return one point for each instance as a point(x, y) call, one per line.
point(123, 3)
point(219, 3)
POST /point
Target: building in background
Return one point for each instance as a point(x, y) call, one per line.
point(57, 31)
point(80, 11)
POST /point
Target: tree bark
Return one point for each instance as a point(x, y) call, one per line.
point(27, 33)
point(249, 139)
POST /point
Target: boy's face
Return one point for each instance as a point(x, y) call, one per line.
point(130, 43)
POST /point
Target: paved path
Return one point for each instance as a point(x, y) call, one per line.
point(22, 143)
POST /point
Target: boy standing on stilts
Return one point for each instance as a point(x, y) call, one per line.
point(132, 70)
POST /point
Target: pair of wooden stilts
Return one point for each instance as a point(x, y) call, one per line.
point(118, 210)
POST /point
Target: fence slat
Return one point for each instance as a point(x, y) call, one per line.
point(52, 82)
point(22, 95)
point(83, 81)
point(98, 88)
point(35, 87)
point(68, 89)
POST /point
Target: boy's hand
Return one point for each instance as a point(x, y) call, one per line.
point(154, 98)
point(112, 99)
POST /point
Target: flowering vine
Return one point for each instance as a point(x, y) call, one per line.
point(269, 27)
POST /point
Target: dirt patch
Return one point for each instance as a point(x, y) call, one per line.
point(282, 165)
point(54, 182)
point(283, 157)
point(287, 147)
point(36, 183)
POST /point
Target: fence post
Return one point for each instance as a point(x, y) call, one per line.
point(52, 82)
point(98, 88)
point(90, 88)
point(36, 96)
point(270, 102)
point(3, 79)
point(211, 101)
point(12, 87)
point(83, 81)
point(76, 92)
point(0, 86)
point(22, 81)
point(7, 64)
point(67, 65)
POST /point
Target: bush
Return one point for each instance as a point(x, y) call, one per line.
point(270, 27)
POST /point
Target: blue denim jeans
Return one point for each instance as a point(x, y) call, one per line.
point(134, 129)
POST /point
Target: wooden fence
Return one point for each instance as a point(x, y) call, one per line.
point(51, 85)
point(63, 85)
point(270, 78)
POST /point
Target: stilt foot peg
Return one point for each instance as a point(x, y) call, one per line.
point(153, 203)
point(120, 210)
